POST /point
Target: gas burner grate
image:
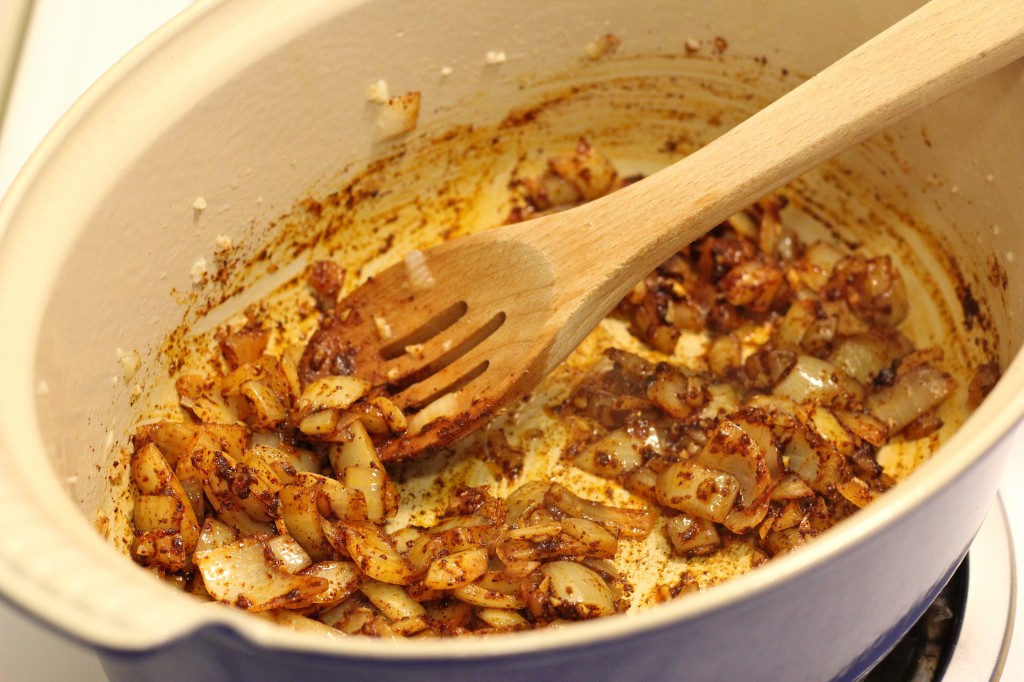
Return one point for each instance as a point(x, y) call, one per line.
point(924, 653)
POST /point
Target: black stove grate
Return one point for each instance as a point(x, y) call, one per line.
point(925, 651)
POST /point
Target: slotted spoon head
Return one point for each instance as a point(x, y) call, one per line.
point(449, 355)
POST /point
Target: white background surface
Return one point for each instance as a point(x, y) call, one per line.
point(70, 43)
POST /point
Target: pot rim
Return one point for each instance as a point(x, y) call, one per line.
point(40, 516)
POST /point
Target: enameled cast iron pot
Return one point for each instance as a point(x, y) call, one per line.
point(226, 119)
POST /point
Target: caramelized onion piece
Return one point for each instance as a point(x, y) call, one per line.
point(864, 426)
point(524, 500)
point(623, 522)
point(244, 346)
point(482, 594)
point(697, 490)
point(159, 537)
point(505, 620)
point(675, 392)
point(172, 438)
point(300, 511)
point(814, 379)
point(374, 552)
point(865, 356)
point(456, 569)
point(691, 535)
point(166, 528)
point(448, 617)
point(912, 394)
point(288, 553)
point(755, 285)
point(523, 549)
point(795, 324)
point(586, 169)
point(815, 460)
point(354, 447)
point(873, 287)
point(233, 489)
point(730, 449)
point(982, 383)
point(335, 392)
point(615, 454)
point(377, 490)
point(246, 574)
point(407, 616)
point(454, 535)
point(571, 590)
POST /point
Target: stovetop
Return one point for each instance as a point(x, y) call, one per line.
point(51, 50)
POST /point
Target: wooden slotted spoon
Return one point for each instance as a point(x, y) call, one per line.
point(460, 330)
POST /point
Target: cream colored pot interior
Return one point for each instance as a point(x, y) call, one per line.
point(273, 113)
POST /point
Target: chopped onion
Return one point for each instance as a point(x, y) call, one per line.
point(268, 411)
point(375, 554)
point(816, 460)
point(215, 534)
point(757, 425)
point(378, 492)
point(586, 169)
point(232, 488)
point(625, 522)
point(814, 379)
point(456, 569)
point(172, 438)
point(335, 392)
point(794, 325)
point(856, 491)
point(406, 615)
point(819, 260)
point(691, 535)
point(288, 553)
point(300, 511)
point(791, 487)
point(754, 285)
point(698, 490)
point(524, 499)
point(502, 619)
point(825, 423)
point(450, 617)
point(864, 426)
point(594, 538)
point(865, 356)
point(479, 595)
point(574, 591)
point(675, 392)
point(320, 423)
point(911, 395)
point(243, 574)
point(615, 454)
point(731, 450)
point(756, 432)
point(353, 448)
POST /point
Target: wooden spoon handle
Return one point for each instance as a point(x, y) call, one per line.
point(941, 46)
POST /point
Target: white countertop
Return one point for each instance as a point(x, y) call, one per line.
point(73, 42)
